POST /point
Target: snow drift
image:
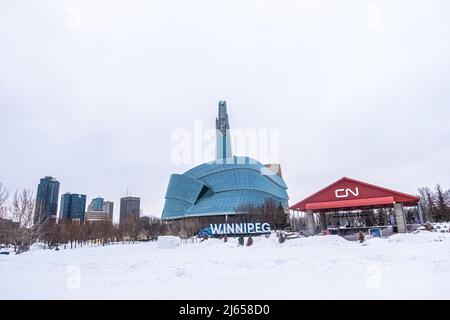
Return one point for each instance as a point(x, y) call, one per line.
point(167, 242)
point(404, 266)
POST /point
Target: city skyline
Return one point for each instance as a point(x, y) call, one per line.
point(56, 202)
point(109, 205)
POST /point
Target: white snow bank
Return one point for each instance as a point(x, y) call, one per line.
point(167, 242)
point(37, 246)
point(404, 266)
point(441, 227)
point(421, 237)
point(437, 227)
point(273, 242)
point(329, 240)
point(376, 241)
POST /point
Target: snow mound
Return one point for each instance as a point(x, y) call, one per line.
point(375, 241)
point(273, 241)
point(37, 246)
point(421, 237)
point(330, 240)
point(441, 227)
point(409, 266)
point(168, 242)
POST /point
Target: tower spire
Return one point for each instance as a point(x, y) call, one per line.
point(223, 143)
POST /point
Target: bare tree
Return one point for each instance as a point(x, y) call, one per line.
point(48, 233)
point(156, 228)
point(105, 231)
point(271, 212)
point(145, 226)
point(3, 198)
point(447, 202)
point(22, 211)
point(427, 202)
point(192, 226)
point(131, 228)
point(435, 204)
point(5, 226)
point(248, 212)
point(174, 228)
point(70, 230)
point(151, 227)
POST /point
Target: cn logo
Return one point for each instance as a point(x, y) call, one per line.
point(345, 193)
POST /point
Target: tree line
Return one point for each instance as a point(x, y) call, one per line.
point(18, 227)
point(435, 203)
point(270, 211)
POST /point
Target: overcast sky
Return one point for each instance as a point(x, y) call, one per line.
point(92, 91)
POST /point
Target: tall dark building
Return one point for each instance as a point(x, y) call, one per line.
point(129, 207)
point(46, 200)
point(223, 144)
point(73, 207)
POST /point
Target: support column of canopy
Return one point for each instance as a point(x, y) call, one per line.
point(400, 219)
point(310, 222)
point(419, 211)
point(323, 221)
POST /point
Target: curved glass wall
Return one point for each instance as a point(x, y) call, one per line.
point(220, 187)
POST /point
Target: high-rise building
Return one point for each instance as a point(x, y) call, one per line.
point(99, 210)
point(108, 206)
point(129, 207)
point(73, 207)
point(46, 200)
point(223, 142)
point(97, 204)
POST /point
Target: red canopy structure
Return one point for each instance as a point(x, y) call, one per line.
point(350, 194)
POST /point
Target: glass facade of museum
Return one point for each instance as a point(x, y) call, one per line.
point(222, 186)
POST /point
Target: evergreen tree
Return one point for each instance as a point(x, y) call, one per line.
point(382, 217)
point(411, 215)
point(361, 236)
point(284, 216)
point(369, 217)
point(442, 208)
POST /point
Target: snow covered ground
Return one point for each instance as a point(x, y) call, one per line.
point(404, 266)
